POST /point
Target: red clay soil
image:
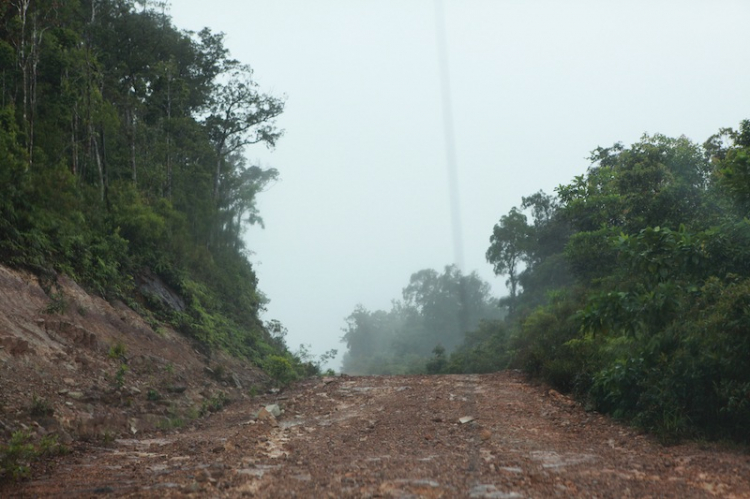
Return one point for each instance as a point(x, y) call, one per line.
point(474, 436)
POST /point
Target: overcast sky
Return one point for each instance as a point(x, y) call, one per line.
point(364, 200)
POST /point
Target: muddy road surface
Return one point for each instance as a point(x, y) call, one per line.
point(473, 436)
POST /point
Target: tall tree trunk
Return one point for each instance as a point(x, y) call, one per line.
point(99, 162)
point(28, 61)
point(74, 142)
point(168, 190)
point(130, 118)
point(217, 176)
point(23, 10)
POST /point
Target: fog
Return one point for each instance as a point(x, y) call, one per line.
point(364, 196)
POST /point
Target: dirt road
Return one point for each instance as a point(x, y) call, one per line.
point(478, 436)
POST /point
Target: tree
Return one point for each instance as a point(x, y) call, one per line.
point(240, 116)
point(734, 161)
point(450, 304)
point(438, 309)
point(509, 248)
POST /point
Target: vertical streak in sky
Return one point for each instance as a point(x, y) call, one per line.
point(450, 144)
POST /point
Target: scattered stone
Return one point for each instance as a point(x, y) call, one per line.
point(76, 395)
point(562, 399)
point(192, 488)
point(465, 419)
point(203, 476)
point(265, 415)
point(274, 409)
point(236, 381)
point(64, 437)
point(485, 434)
point(510, 469)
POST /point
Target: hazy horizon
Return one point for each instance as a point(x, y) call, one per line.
point(364, 197)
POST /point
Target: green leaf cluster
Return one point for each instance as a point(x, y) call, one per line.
point(121, 156)
point(640, 304)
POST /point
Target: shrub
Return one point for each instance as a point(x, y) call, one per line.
point(280, 368)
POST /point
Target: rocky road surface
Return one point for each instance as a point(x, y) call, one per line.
point(474, 436)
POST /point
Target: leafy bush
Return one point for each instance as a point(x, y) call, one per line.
point(20, 452)
point(16, 456)
point(280, 368)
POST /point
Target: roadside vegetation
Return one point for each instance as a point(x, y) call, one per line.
point(629, 287)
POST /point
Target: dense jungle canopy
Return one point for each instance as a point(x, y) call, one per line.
point(121, 141)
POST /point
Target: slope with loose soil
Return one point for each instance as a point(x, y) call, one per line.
point(78, 367)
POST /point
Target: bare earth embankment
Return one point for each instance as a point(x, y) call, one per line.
point(400, 437)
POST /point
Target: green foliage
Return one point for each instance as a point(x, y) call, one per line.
point(438, 362)
point(437, 309)
point(40, 407)
point(57, 304)
point(215, 403)
point(171, 422)
point(484, 350)
point(121, 155)
point(509, 247)
point(280, 368)
point(651, 316)
point(306, 364)
point(17, 455)
point(120, 375)
point(118, 351)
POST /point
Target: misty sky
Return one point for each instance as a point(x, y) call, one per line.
point(364, 201)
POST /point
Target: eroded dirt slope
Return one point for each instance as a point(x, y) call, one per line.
point(78, 367)
point(400, 437)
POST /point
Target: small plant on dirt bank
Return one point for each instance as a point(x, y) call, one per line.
point(120, 375)
point(280, 369)
point(118, 351)
point(57, 305)
point(215, 403)
point(40, 407)
point(172, 420)
point(17, 455)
